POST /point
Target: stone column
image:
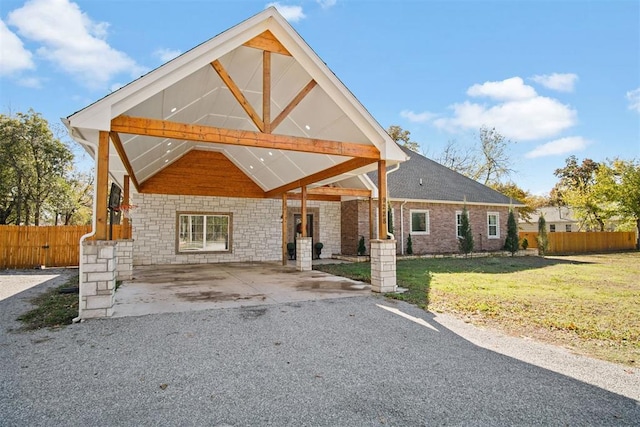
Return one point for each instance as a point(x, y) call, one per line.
point(124, 259)
point(97, 278)
point(383, 266)
point(303, 253)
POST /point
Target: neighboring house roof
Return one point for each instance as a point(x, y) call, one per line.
point(193, 90)
point(553, 214)
point(421, 178)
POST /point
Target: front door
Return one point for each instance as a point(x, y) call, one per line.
point(297, 221)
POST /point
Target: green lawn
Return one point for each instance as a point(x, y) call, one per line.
point(590, 303)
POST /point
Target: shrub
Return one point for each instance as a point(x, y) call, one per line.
point(525, 243)
point(543, 239)
point(465, 243)
point(361, 247)
point(409, 246)
point(511, 243)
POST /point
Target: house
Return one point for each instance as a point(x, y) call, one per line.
point(222, 151)
point(426, 201)
point(559, 219)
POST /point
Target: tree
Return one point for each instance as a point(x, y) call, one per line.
point(495, 160)
point(403, 138)
point(32, 163)
point(517, 194)
point(465, 241)
point(576, 188)
point(543, 239)
point(512, 242)
point(618, 185)
point(409, 245)
point(460, 159)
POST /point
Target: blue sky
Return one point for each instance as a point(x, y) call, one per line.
point(558, 78)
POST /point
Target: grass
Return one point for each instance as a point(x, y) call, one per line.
point(52, 308)
point(589, 303)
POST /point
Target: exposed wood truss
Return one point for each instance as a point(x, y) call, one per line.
point(267, 42)
point(198, 133)
point(115, 138)
point(338, 191)
point(294, 102)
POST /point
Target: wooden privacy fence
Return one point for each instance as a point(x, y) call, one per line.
point(573, 243)
point(27, 246)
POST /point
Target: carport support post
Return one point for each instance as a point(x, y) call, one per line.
point(303, 244)
point(285, 252)
point(102, 181)
point(383, 251)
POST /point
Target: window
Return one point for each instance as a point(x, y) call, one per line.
point(459, 224)
point(419, 222)
point(567, 228)
point(552, 228)
point(204, 232)
point(493, 225)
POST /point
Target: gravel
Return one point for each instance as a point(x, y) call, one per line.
point(328, 362)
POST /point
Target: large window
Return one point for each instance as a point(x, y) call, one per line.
point(419, 222)
point(493, 225)
point(204, 232)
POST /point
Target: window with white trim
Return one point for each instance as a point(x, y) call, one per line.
point(552, 228)
point(493, 225)
point(208, 232)
point(567, 228)
point(459, 224)
point(419, 222)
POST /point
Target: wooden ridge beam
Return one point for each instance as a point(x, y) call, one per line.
point(237, 93)
point(294, 102)
point(199, 133)
point(338, 169)
point(267, 42)
point(338, 191)
point(117, 142)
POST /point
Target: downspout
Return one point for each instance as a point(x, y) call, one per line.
point(395, 168)
point(92, 233)
point(402, 227)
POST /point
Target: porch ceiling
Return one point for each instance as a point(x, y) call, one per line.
point(255, 93)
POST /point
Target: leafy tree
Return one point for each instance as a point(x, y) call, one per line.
point(531, 202)
point(32, 163)
point(465, 241)
point(543, 239)
point(72, 200)
point(576, 188)
point(409, 245)
point(495, 159)
point(403, 138)
point(512, 242)
point(618, 185)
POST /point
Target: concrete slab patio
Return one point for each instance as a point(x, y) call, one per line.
point(178, 288)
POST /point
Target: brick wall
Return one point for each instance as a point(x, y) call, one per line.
point(442, 217)
point(256, 228)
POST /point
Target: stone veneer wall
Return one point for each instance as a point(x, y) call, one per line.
point(442, 218)
point(326, 228)
point(256, 228)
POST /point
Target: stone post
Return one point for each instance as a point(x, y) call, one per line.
point(303, 253)
point(383, 266)
point(97, 278)
point(124, 259)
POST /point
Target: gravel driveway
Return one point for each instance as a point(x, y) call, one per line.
point(329, 362)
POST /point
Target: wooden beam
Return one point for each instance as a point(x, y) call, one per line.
point(237, 93)
point(293, 104)
point(209, 134)
point(338, 169)
point(303, 211)
point(117, 142)
point(125, 201)
point(338, 191)
point(317, 197)
point(266, 91)
point(102, 181)
point(382, 199)
point(267, 42)
point(285, 252)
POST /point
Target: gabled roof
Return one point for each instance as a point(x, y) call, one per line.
point(555, 214)
point(219, 85)
point(421, 178)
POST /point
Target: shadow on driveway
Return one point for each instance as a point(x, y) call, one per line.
point(326, 362)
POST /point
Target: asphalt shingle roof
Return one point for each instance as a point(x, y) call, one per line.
point(439, 183)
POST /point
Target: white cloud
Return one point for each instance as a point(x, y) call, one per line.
point(32, 82)
point(15, 57)
point(166, 55)
point(326, 4)
point(72, 41)
point(558, 147)
point(413, 117)
point(509, 89)
point(557, 81)
point(523, 116)
point(634, 99)
point(290, 13)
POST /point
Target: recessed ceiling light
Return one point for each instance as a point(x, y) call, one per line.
point(270, 153)
point(168, 151)
point(169, 144)
point(166, 160)
point(307, 127)
point(173, 110)
point(261, 159)
point(251, 166)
